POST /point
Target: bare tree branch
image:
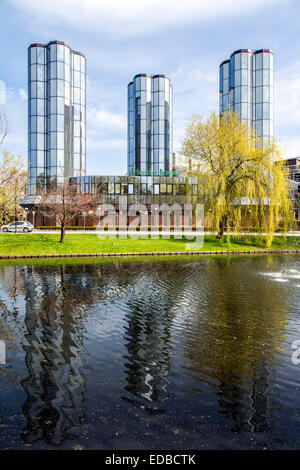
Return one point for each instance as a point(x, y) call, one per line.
point(63, 203)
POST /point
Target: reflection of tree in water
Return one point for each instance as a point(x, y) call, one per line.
point(151, 311)
point(57, 299)
point(229, 320)
point(147, 340)
point(11, 322)
point(238, 322)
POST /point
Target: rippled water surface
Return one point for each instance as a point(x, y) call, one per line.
point(184, 353)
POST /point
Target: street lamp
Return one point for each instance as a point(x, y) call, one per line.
point(15, 206)
point(84, 216)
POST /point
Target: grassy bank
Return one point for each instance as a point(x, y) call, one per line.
point(40, 244)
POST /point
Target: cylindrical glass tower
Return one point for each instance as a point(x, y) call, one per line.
point(246, 87)
point(57, 114)
point(263, 115)
point(150, 126)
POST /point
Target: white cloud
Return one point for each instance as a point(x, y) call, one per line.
point(23, 94)
point(287, 109)
point(16, 113)
point(106, 123)
point(119, 144)
point(290, 147)
point(105, 129)
point(178, 135)
point(287, 96)
point(105, 120)
point(2, 93)
point(195, 85)
point(134, 16)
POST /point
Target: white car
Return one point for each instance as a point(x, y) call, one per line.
point(18, 227)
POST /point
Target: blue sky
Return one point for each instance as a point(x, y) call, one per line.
point(186, 40)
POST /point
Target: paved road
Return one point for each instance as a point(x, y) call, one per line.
point(133, 232)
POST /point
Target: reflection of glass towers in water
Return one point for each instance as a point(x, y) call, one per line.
point(56, 109)
point(55, 385)
point(150, 123)
point(246, 87)
point(148, 345)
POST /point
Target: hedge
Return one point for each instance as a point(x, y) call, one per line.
point(138, 228)
point(147, 227)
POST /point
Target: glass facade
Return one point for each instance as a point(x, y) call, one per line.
point(57, 114)
point(246, 86)
point(140, 189)
point(150, 123)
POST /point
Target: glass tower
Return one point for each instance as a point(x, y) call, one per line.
point(150, 124)
point(56, 114)
point(246, 86)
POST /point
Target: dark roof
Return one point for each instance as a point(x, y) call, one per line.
point(263, 50)
point(55, 42)
point(142, 75)
point(225, 62)
point(160, 76)
point(240, 50)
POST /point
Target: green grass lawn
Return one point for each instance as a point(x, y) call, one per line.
point(39, 244)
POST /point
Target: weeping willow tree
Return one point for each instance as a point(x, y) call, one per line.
point(239, 175)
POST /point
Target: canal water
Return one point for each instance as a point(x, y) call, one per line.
point(175, 353)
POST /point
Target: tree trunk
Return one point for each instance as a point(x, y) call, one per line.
point(222, 227)
point(62, 233)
